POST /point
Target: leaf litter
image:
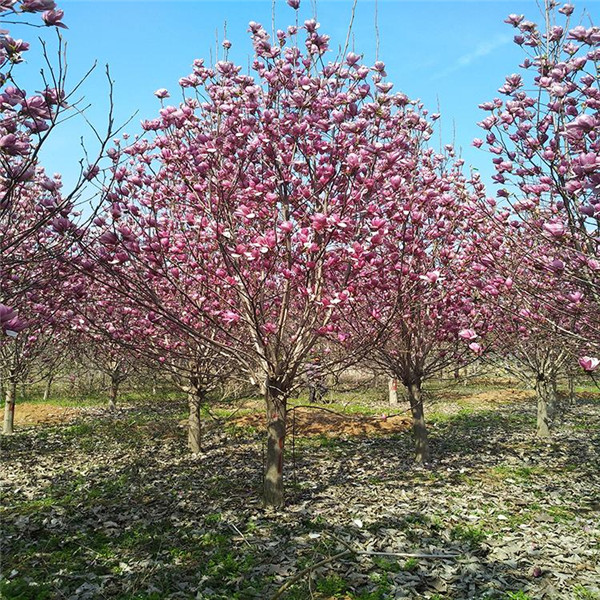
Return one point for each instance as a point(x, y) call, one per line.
point(112, 506)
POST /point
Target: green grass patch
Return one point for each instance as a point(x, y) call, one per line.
point(517, 473)
point(74, 400)
point(331, 586)
point(471, 534)
point(561, 514)
point(387, 565)
point(519, 595)
point(582, 593)
point(25, 589)
point(411, 565)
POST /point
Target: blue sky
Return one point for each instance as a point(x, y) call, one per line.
point(451, 54)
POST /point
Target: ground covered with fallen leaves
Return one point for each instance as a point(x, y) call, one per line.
point(111, 505)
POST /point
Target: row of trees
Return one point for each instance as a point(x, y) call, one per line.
point(300, 212)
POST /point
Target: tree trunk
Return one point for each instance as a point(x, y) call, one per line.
point(545, 391)
point(419, 427)
point(9, 405)
point(554, 409)
point(114, 392)
point(393, 391)
point(48, 388)
point(194, 421)
point(276, 400)
point(466, 376)
point(571, 389)
point(91, 385)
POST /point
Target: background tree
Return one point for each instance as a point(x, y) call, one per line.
point(426, 297)
point(31, 279)
point(32, 204)
point(544, 136)
point(24, 357)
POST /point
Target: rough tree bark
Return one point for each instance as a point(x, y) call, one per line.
point(9, 405)
point(48, 387)
point(415, 397)
point(115, 381)
point(545, 391)
point(195, 397)
point(571, 389)
point(393, 391)
point(276, 401)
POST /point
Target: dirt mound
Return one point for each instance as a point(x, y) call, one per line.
point(31, 413)
point(312, 422)
point(495, 397)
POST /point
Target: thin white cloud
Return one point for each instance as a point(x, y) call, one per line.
point(482, 49)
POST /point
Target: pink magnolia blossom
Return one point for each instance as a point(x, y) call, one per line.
point(431, 276)
point(37, 5)
point(467, 334)
point(589, 363)
point(319, 221)
point(6, 314)
point(90, 172)
point(53, 18)
point(476, 348)
point(566, 9)
point(11, 144)
point(270, 328)
point(514, 19)
point(555, 229)
point(229, 316)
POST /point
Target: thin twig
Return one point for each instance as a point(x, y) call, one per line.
point(304, 572)
point(240, 533)
point(376, 32)
point(397, 554)
point(406, 554)
point(351, 551)
point(348, 33)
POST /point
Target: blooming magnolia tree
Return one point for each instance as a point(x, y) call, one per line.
point(30, 200)
point(198, 371)
point(425, 302)
point(259, 202)
point(120, 335)
point(545, 324)
point(544, 135)
point(25, 121)
point(25, 357)
point(31, 279)
point(542, 356)
point(106, 332)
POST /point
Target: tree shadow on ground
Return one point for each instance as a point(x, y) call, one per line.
point(112, 509)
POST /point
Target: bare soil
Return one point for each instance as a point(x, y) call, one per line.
point(32, 413)
point(324, 422)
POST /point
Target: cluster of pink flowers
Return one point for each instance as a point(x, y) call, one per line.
point(543, 135)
